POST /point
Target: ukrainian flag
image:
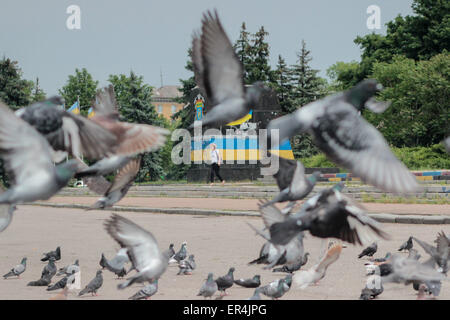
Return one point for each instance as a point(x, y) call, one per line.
point(75, 108)
point(241, 120)
point(91, 112)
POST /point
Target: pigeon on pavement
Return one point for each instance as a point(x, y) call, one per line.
point(50, 269)
point(68, 132)
point(373, 288)
point(170, 252)
point(55, 254)
point(249, 283)
point(407, 245)
point(67, 270)
point(93, 286)
point(117, 264)
point(256, 295)
point(209, 287)
point(17, 270)
point(226, 281)
point(219, 75)
point(369, 251)
point(304, 278)
point(276, 289)
point(27, 158)
point(143, 251)
point(146, 292)
point(42, 282)
point(180, 255)
point(63, 282)
point(186, 266)
point(290, 268)
point(348, 139)
point(329, 214)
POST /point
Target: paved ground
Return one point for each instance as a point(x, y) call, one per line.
point(248, 204)
point(218, 243)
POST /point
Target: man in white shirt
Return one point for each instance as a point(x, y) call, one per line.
point(215, 164)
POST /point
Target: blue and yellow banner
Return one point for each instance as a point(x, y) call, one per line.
point(91, 112)
point(75, 108)
point(241, 120)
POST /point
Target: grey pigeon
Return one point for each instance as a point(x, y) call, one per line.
point(50, 269)
point(407, 245)
point(414, 254)
point(68, 270)
point(277, 288)
point(256, 295)
point(103, 166)
point(42, 282)
point(249, 283)
point(292, 181)
point(386, 257)
point(143, 251)
point(146, 292)
point(219, 74)
point(186, 266)
point(440, 253)
point(170, 252)
point(93, 285)
point(68, 132)
point(117, 264)
point(369, 251)
point(17, 270)
point(226, 281)
point(209, 287)
point(348, 139)
point(26, 154)
point(63, 282)
point(180, 255)
point(374, 287)
point(120, 186)
point(290, 268)
point(329, 214)
point(102, 262)
point(55, 254)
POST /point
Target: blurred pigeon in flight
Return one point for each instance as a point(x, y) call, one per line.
point(27, 157)
point(329, 214)
point(68, 132)
point(17, 270)
point(348, 139)
point(93, 286)
point(146, 292)
point(440, 253)
point(219, 74)
point(6, 213)
point(447, 144)
point(143, 251)
point(209, 287)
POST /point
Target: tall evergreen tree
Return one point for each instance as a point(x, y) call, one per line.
point(134, 99)
point(38, 94)
point(259, 69)
point(82, 86)
point(14, 91)
point(282, 84)
point(243, 50)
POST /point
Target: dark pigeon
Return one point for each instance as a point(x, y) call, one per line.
point(180, 255)
point(55, 254)
point(93, 285)
point(290, 268)
point(50, 269)
point(219, 75)
point(225, 282)
point(42, 282)
point(170, 252)
point(67, 270)
point(407, 245)
point(329, 214)
point(61, 284)
point(249, 283)
point(369, 251)
point(348, 139)
point(186, 266)
point(17, 270)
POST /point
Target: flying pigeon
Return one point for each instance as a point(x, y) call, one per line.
point(441, 253)
point(67, 270)
point(93, 286)
point(186, 266)
point(329, 214)
point(146, 292)
point(292, 181)
point(407, 245)
point(225, 282)
point(117, 264)
point(369, 251)
point(68, 132)
point(55, 254)
point(414, 254)
point(219, 74)
point(143, 251)
point(27, 157)
point(180, 255)
point(6, 213)
point(120, 186)
point(348, 139)
point(17, 270)
point(304, 278)
point(249, 283)
point(209, 287)
point(256, 295)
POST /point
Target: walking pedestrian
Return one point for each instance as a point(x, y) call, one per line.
point(216, 161)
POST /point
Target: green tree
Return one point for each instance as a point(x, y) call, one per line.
point(82, 86)
point(37, 94)
point(243, 50)
point(343, 75)
point(185, 116)
point(134, 99)
point(259, 68)
point(14, 91)
point(282, 85)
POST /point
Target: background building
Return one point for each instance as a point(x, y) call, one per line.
point(164, 100)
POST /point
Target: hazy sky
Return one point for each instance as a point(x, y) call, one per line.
point(147, 35)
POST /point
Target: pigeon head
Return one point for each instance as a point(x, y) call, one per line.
point(24, 260)
point(76, 262)
point(171, 246)
point(257, 277)
point(362, 92)
point(231, 270)
point(210, 276)
point(99, 272)
point(65, 172)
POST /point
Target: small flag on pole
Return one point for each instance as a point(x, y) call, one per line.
point(75, 108)
point(91, 112)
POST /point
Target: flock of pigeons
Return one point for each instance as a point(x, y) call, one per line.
point(36, 137)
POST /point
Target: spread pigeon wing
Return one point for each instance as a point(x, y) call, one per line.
point(223, 73)
point(142, 246)
point(197, 62)
point(106, 103)
point(270, 214)
point(331, 256)
point(285, 172)
point(126, 175)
